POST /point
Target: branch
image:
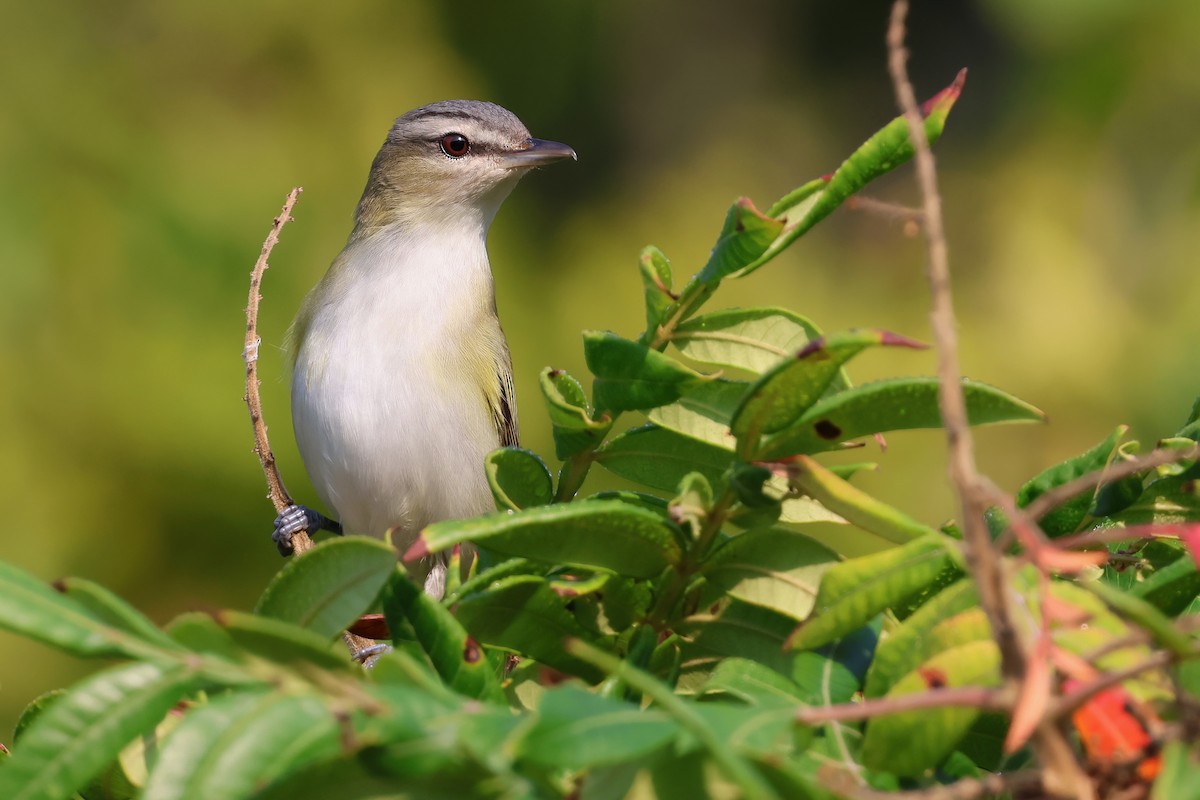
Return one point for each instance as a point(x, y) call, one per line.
point(1062, 772)
point(970, 696)
point(262, 446)
point(1073, 700)
point(1018, 783)
point(982, 560)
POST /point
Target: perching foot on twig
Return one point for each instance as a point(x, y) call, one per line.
point(296, 518)
point(369, 655)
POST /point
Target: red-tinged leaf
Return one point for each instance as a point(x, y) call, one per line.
point(1057, 610)
point(1113, 735)
point(937, 107)
point(1034, 696)
point(1190, 537)
point(1074, 666)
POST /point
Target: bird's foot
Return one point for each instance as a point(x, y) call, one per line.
point(297, 518)
point(367, 656)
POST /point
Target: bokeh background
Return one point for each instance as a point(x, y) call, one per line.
point(145, 147)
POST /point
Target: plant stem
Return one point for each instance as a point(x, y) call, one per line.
point(660, 615)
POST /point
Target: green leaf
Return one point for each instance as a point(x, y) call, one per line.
point(328, 587)
point(518, 479)
point(1173, 499)
point(656, 286)
point(738, 629)
point(745, 236)
point(855, 591)
point(31, 608)
point(704, 412)
point(775, 568)
point(883, 152)
point(889, 405)
point(752, 731)
point(791, 387)
point(570, 414)
point(660, 458)
point(751, 339)
point(604, 534)
point(275, 640)
point(632, 376)
point(1067, 517)
point(1177, 779)
point(750, 784)
point(901, 650)
point(455, 655)
point(908, 743)
point(626, 601)
point(481, 579)
point(576, 729)
point(833, 674)
point(751, 682)
point(239, 743)
point(111, 609)
point(81, 733)
point(885, 524)
point(1172, 588)
point(756, 488)
point(33, 710)
point(689, 508)
point(525, 615)
point(1141, 612)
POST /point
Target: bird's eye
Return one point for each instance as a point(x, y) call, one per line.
point(455, 145)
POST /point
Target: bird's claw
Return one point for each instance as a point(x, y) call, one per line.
point(370, 654)
point(293, 520)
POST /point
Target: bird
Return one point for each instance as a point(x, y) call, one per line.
point(401, 377)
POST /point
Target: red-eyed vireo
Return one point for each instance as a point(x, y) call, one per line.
point(402, 380)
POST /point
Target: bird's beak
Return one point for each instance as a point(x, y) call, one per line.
point(538, 152)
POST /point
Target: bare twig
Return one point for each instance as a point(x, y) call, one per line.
point(966, 789)
point(983, 561)
point(1069, 702)
point(1150, 530)
point(1063, 775)
point(970, 696)
point(262, 446)
point(911, 217)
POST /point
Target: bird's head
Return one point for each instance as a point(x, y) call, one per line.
point(457, 159)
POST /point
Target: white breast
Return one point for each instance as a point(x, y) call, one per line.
point(389, 413)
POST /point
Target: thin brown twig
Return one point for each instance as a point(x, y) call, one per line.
point(1136, 638)
point(1067, 703)
point(262, 446)
point(966, 789)
point(1166, 530)
point(1062, 772)
point(971, 696)
point(882, 208)
point(983, 562)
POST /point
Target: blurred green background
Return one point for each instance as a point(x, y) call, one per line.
point(145, 147)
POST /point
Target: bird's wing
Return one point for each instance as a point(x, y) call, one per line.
point(504, 406)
